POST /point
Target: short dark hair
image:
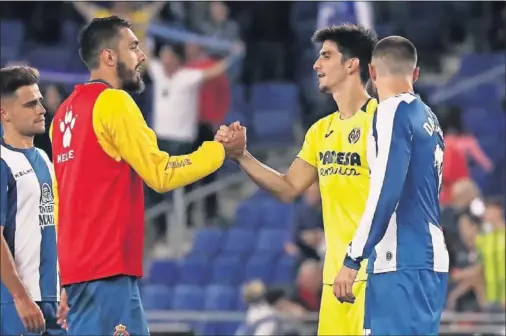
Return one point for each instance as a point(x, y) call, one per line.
point(14, 77)
point(99, 34)
point(351, 41)
point(397, 48)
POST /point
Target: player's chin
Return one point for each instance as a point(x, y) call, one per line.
point(39, 129)
point(323, 88)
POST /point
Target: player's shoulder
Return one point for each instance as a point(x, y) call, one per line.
point(115, 95)
point(403, 101)
point(370, 106)
point(44, 155)
point(322, 125)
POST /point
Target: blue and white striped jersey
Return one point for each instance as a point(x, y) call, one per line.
point(27, 214)
point(400, 228)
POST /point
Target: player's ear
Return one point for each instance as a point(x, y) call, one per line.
point(372, 72)
point(353, 64)
point(108, 56)
point(416, 74)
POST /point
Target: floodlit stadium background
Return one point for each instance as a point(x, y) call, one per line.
point(205, 243)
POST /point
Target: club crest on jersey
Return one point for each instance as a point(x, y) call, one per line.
point(120, 330)
point(354, 135)
point(46, 194)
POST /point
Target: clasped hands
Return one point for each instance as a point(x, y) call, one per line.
point(233, 138)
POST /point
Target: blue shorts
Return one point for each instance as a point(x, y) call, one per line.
point(405, 302)
point(106, 307)
point(10, 323)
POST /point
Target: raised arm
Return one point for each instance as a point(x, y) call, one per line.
point(286, 187)
point(86, 9)
point(123, 134)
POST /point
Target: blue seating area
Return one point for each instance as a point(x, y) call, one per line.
point(483, 114)
point(221, 260)
point(209, 277)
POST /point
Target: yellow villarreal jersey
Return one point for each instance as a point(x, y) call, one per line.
point(338, 149)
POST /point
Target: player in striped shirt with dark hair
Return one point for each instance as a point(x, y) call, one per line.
point(400, 232)
point(30, 288)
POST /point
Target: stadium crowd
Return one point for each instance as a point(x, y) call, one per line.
point(270, 42)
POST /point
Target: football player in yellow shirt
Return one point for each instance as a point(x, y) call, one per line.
point(333, 153)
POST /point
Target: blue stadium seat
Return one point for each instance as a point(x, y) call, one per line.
point(11, 33)
point(259, 267)
point(273, 125)
point(163, 272)
point(240, 305)
point(194, 271)
point(208, 242)
point(279, 215)
point(49, 58)
point(249, 215)
point(271, 241)
point(238, 97)
point(227, 270)
point(239, 241)
point(188, 297)
point(236, 115)
point(219, 297)
point(275, 96)
point(156, 297)
point(285, 270)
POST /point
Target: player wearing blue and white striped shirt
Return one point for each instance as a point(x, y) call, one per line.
point(400, 232)
point(30, 288)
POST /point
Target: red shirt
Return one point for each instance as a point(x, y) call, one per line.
point(100, 200)
point(454, 169)
point(214, 94)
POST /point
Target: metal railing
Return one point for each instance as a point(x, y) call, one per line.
point(451, 323)
point(175, 209)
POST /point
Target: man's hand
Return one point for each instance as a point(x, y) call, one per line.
point(343, 285)
point(63, 309)
point(233, 138)
point(30, 314)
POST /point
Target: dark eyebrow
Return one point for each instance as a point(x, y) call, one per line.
point(33, 102)
point(134, 43)
point(324, 53)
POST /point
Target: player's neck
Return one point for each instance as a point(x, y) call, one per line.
point(393, 86)
point(350, 100)
point(18, 141)
point(111, 79)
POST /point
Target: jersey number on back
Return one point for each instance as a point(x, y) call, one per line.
point(438, 164)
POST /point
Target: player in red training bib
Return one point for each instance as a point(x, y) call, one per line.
point(102, 152)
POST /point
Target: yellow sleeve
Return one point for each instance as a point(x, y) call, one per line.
point(308, 151)
point(124, 135)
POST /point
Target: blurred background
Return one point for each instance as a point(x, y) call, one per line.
point(223, 257)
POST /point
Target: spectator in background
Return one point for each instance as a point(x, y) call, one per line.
point(139, 14)
point(467, 288)
point(491, 246)
point(220, 26)
point(308, 290)
point(214, 103)
point(468, 145)
point(53, 97)
point(309, 240)
point(176, 103)
point(261, 317)
point(465, 198)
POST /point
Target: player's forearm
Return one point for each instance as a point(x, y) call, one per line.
point(267, 178)
point(8, 273)
point(181, 170)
